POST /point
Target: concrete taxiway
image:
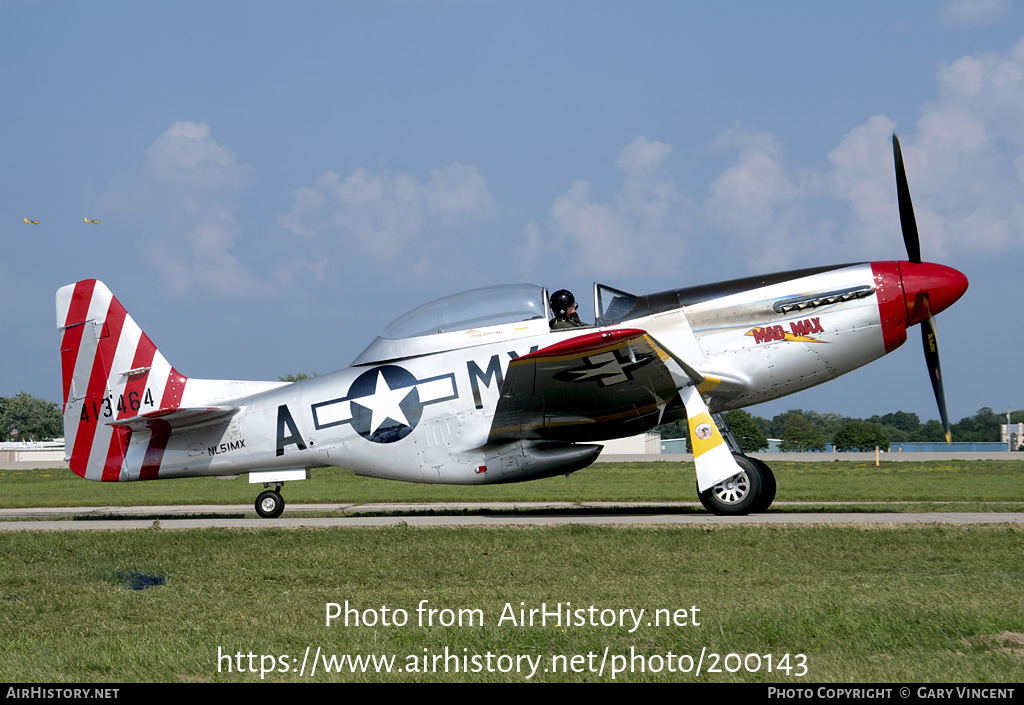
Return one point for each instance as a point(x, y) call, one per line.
point(504, 513)
point(463, 514)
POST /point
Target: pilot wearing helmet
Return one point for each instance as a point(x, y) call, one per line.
point(563, 305)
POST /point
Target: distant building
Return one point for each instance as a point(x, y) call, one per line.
point(643, 444)
point(943, 447)
point(32, 451)
point(1012, 434)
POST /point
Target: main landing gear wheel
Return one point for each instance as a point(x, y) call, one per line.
point(739, 494)
point(270, 504)
point(767, 487)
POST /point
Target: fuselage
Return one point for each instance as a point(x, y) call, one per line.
point(421, 409)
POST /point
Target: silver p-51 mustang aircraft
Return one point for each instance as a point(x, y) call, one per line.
point(479, 388)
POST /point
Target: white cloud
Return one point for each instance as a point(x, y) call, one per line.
point(379, 219)
point(974, 12)
point(186, 197)
point(760, 212)
point(642, 227)
point(186, 156)
point(746, 195)
point(863, 175)
point(963, 159)
point(965, 167)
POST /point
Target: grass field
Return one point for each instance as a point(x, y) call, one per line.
point(849, 605)
point(836, 604)
point(951, 481)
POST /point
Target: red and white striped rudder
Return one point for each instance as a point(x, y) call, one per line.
point(111, 371)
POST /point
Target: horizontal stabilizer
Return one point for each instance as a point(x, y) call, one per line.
point(177, 419)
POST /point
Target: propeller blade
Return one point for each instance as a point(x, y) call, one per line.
point(907, 221)
point(929, 337)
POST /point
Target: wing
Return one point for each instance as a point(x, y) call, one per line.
point(595, 386)
point(609, 384)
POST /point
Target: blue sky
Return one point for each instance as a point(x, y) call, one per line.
point(278, 181)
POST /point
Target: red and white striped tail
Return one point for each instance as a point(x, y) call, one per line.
point(111, 371)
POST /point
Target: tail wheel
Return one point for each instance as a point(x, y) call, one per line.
point(270, 504)
point(739, 494)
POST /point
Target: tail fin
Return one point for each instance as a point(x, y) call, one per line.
point(111, 371)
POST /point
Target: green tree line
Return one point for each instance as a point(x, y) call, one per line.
point(24, 417)
point(801, 430)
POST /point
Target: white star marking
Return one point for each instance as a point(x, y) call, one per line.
point(384, 403)
point(604, 364)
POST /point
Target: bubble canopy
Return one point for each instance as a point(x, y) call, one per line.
point(479, 308)
point(506, 312)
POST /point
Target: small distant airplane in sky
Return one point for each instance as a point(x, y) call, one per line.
point(90, 221)
point(31, 221)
